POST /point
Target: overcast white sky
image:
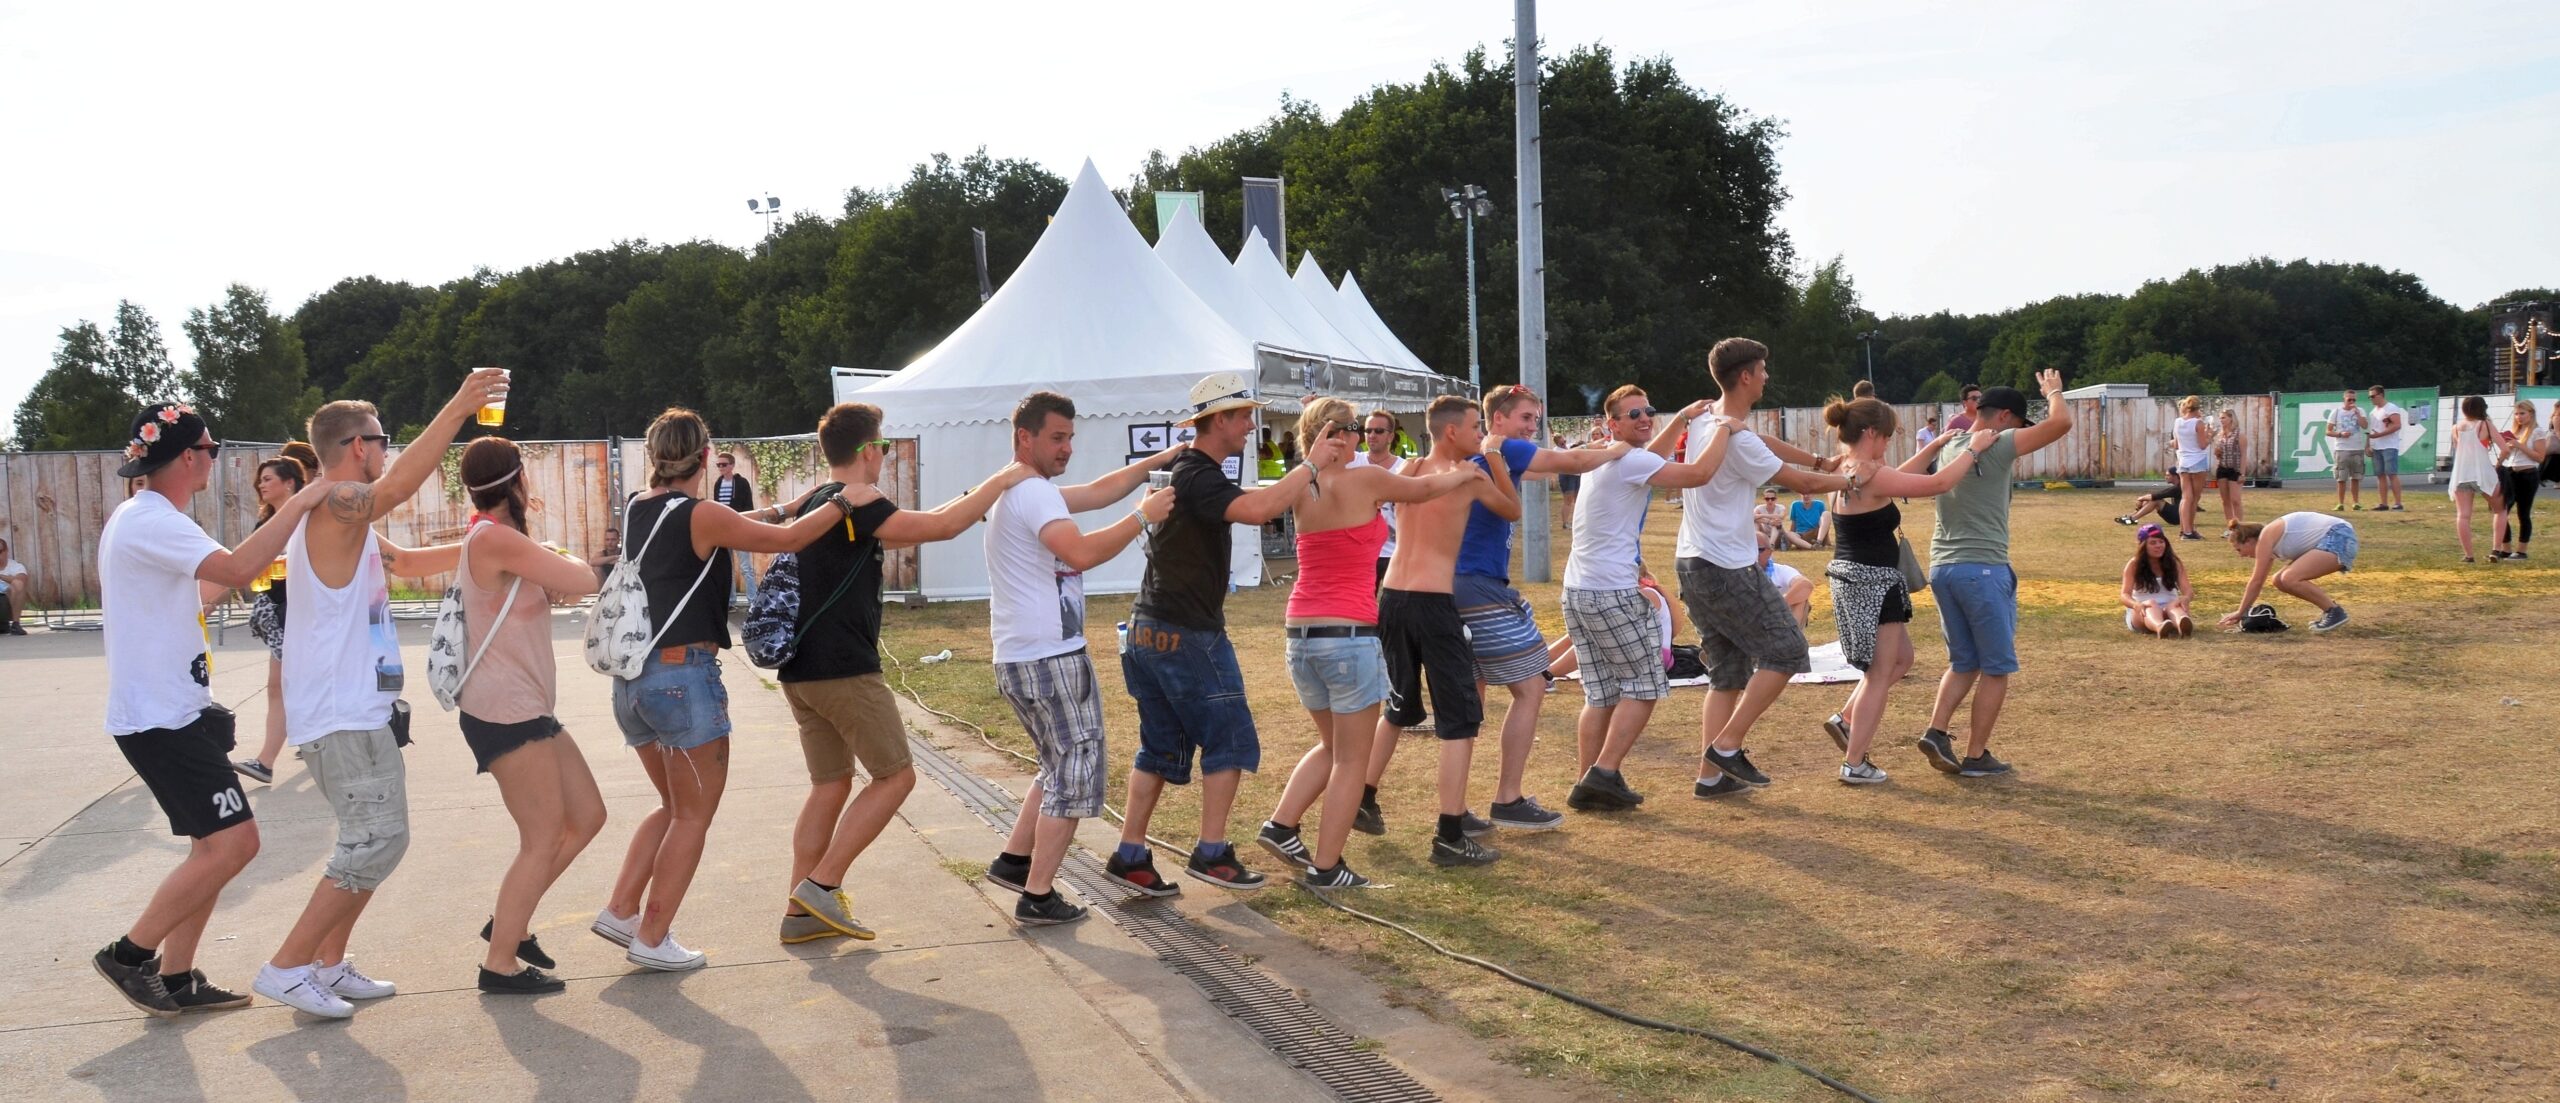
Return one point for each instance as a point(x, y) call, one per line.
point(1965, 156)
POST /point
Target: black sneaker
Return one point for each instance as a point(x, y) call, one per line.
point(1526, 814)
point(1739, 765)
point(1837, 727)
point(255, 771)
point(1224, 871)
point(1369, 820)
point(1339, 877)
point(1464, 852)
point(1032, 911)
point(1940, 749)
point(139, 984)
point(1283, 843)
point(17, 628)
point(1983, 765)
point(199, 994)
point(1009, 872)
point(1140, 876)
point(1601, 791)
point(2336, 616)
point(528, 951)
point(1473, 826)
point(1723, 785)
point(528, 981)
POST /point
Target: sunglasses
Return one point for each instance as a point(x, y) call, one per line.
point(723, 465)
point(211, 451)
point(369, 438)
point(1640, 412)
point(1375, 432)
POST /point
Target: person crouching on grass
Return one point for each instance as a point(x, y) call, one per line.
point(2312, 544)
point(2156, 591)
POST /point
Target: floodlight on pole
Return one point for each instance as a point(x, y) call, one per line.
point(770, 208)
point(1869, 339)
point(1466, 204)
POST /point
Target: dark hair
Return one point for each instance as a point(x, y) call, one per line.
point(1863, 389)
point(287, 468)
point(1731, 357)
point(1855, 418)
point(846, 427)
point(301, 450)
point(1970, 389)
point(489, 460)
point(2166, 576)
point(2475, 407)
point(1445, 412)
point(1033, 411)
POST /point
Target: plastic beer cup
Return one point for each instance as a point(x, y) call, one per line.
point(495, 413)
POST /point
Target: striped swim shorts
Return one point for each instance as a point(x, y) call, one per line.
point(1501, 630)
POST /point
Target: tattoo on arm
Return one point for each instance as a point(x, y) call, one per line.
point(351, 503)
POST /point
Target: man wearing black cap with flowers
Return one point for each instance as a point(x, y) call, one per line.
point(1969, 569)
point(152, 559)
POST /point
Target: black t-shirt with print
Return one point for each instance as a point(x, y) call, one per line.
point(843, 641)
point(1187, 556)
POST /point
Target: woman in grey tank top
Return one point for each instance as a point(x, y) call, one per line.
point(2315, 545)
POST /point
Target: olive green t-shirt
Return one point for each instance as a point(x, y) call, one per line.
point(1973, 518)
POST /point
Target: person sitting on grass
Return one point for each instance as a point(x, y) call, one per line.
point(2163, 502)
point(1810, 519)
point(2312, 544)
point(2156, 591)
point(1791, 583)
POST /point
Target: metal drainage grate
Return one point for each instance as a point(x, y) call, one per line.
point(1300, 1034)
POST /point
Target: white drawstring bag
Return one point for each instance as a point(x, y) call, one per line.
point(619, 636)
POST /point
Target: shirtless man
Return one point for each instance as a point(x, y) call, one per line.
point(1418, 623)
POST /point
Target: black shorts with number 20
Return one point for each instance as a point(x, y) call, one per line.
point(188, 770)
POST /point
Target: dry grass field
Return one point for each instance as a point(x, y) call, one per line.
point(2234, 867)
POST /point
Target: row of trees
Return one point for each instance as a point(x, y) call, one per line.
point(1661, 206)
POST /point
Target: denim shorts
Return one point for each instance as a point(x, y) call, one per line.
point(1978, 610)
point(678, 705)
point(1190, 699)
point(2340, 541)
point(2386, 461)
point(1338, 674)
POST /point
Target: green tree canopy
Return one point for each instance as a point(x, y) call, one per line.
point(77, 404)
point(248, 378)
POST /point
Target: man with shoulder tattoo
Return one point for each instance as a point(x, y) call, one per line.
point(343, 677)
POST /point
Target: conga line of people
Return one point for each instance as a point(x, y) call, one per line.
point(1367, 633)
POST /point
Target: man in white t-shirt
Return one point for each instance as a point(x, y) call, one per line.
point(1606, 612)
point(1378, 439)
point(1751, 641)
point(155, 566)
point(13, 592)
point(2385, 424)
point(1036, 559)
point(2347, 447)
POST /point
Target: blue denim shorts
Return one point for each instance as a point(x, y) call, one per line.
point(1978, 610)
point(1338, 674)
point(677, 705)
point(2386, 461)
point(1190, 699)
point(2340, 541)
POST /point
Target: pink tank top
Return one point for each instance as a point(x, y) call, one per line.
point(1338, 573)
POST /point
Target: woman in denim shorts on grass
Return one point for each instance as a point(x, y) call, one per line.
point(676, 713)
point(2313, 545)
point(1334, 656)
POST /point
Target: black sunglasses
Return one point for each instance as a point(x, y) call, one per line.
point(1639, 412)
point(369, 438)
point(211, 451)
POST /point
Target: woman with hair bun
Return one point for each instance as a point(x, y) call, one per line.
point(1868, 595)
point(676, 713)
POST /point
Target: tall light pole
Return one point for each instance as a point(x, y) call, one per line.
point(1534, 556)
point(1465, 203)
point(769, 208)
point(1869, 339)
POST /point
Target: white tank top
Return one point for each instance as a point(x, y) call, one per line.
point(2301, 531)
point(2189, 451)
point(341, 651)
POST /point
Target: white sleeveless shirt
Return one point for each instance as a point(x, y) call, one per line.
point(341, 651)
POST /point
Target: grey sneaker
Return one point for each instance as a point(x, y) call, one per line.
point(140, 985)
point(1464, 852)
point(1983, 765)
point(1526, 814)
point(2337, 615)
point(1940, 749)
point(1837, 727)
point(832, 907)
point(1864, 773)
point(1283, 843)
point(1472, 825)
point(797, 929)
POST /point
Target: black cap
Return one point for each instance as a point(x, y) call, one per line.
point(160, 433)
point(2007, 398)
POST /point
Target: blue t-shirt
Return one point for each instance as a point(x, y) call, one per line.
point(1806, 515)
point(1486, 548)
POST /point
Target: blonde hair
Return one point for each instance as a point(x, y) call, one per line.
point(1319, 413)
point(2242, 533)
point(2191, 405)
point(331, 425)
point(677, 441)
point(2229, 415)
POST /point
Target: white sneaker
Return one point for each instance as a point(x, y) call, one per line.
point(666, 957)
point(614, 928)
point(343, 979)
point(300, 990)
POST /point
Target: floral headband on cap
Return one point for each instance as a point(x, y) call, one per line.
point(160, 432)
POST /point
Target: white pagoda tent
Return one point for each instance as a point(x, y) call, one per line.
point(1356, 306)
